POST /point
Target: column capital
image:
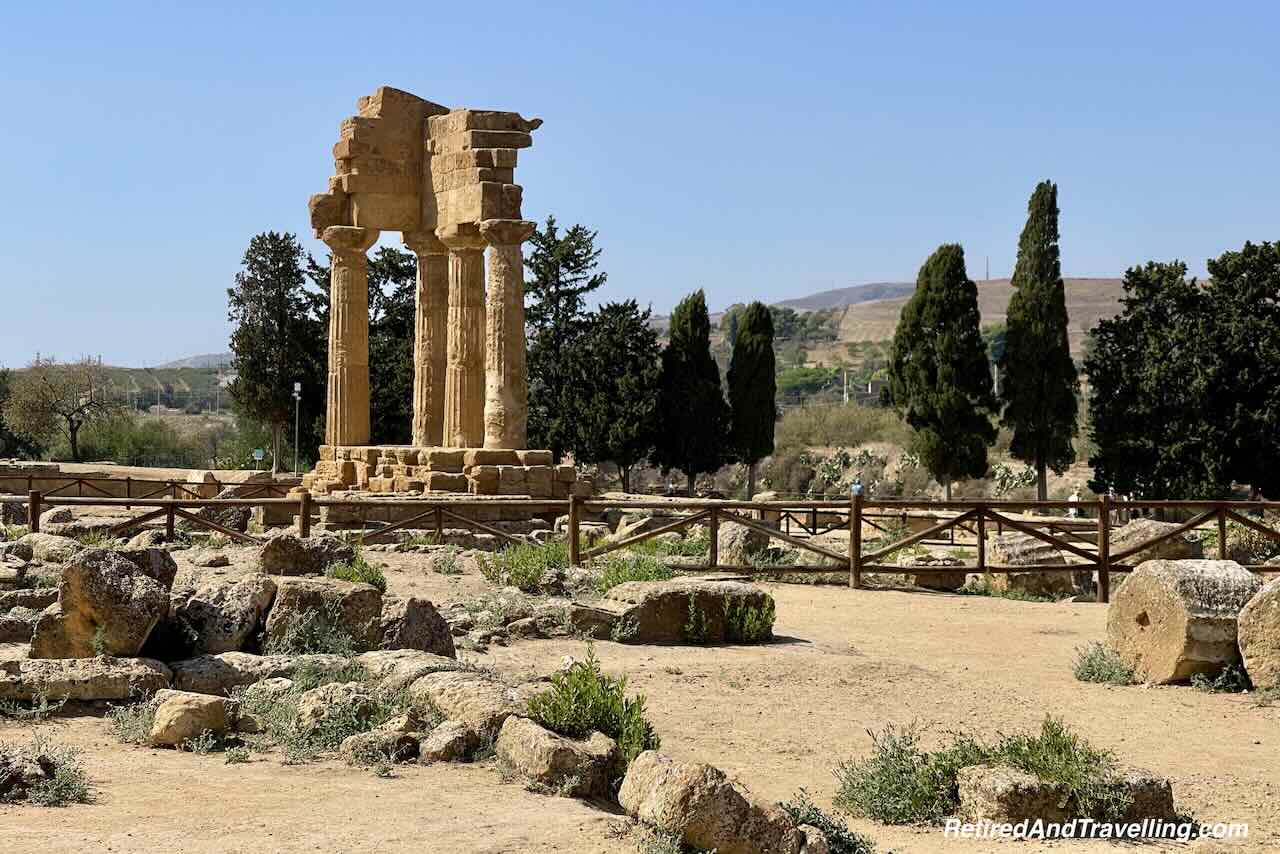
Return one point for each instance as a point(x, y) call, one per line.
point(348, 239)
point(462, 236)
point(423, 243)
point(507, 232)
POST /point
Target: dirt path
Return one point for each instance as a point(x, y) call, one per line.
point(779, 717)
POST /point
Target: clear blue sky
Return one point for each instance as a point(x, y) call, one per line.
point(754, 150)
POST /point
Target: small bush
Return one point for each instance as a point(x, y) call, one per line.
point(744, 623)
point(313, 631)
point(840, 839)
point(131, 724)
point(695, 627)
point(583, 700)
point(901, 783)
point(68, 785)
point(39, 708)
point(99, 540)
point(1096, 662)
point(360, 571)
point(1230, 680)
point(205, 742)
point(523, 566)
point(619, 569)
point(446, 562)
point(237, 755)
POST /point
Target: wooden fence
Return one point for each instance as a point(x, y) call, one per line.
point(134, 487)
point(848, 519)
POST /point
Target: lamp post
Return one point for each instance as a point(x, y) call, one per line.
point(297, 405)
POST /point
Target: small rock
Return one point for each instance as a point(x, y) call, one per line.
point(181, 716)
point(451, 741)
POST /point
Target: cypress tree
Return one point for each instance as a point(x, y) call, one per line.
point(692, 417)
point(938, 374)
point(1039, 382)
point(752, 388)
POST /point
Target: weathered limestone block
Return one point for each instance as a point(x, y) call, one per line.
point(1182, 547)
point(535, 458)
point(106, 605)
point(395, 746)
point(685, 610)
point(347, 408)
point(1259, 628)
point(50, 548)
point(258, 694)
point(1172, 619)
point(353, 609)
point(470, 698)
point(439, 481)
point(483, 480)
point(181, 716)
point(699, 804)
point(81, 679)
point(451, 741)
point(155, 563)
point(1018, 549)
point(414, 623)
point(35, 598)
point(218, 674)
point(1002, 794)
point(506, 382)
point(288, 554)
point(226, 615)
point(581, 768)
point(938, 578)
point(566, 474)
point(538, 480)
point(511, 480)
point(336, 701)
point(18, 626)
point(397, 669)
point(449, 460)
point(738, 543)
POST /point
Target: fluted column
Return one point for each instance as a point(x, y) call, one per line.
point(506, 385)
point(430, 337)
point(464, 362)
point(347, 409)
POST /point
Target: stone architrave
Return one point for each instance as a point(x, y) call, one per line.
point(347, 409)
point(430, 337)
point(505, 370)
point(464, 371)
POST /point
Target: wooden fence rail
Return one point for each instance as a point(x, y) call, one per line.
point(854, 515)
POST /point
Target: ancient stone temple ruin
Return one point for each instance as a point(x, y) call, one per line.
point(443, 178)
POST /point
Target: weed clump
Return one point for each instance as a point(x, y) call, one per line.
point(840, 839)
point(131, 724)
point(360, 571)
point(39, 708)
point(1096, 662)
point(900, 783)
point(1230, 680)
point(583, 700)
point(524, 566)
point(619, 569)
point(313, 631)
point(67, 784)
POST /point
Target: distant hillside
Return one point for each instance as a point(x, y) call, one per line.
point(208, 360)
point(841, 297)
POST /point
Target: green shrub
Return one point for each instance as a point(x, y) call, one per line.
point(360, 571)
point(68, 785)
point(1096, 662)
point(131, 724)
point(900, 783)
point(745, 623)
point(840, 839)
point(695, 627)
point(237, 755)
point(1230, 680)
point(523, 566)
point(313, 631)
point(12, 532)
point(583, 700)
point(619, 569)
point(99, 540)
point(696, 545)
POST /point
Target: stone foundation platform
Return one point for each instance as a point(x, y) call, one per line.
point(410, 470)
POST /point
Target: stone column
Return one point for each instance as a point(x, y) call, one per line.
point(464, 369)
point(506, 385)
point(347, 411)
point(430, 336)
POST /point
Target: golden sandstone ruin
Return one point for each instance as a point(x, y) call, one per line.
point(444, 178)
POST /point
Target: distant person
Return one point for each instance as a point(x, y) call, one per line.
point(1074, 498)
point(855, 488)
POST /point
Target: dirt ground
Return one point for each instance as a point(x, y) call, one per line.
point(779, 717)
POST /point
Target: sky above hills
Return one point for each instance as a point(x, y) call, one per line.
point(753, 150)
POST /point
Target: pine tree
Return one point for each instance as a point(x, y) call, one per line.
point(1038, 378)
point(938, 371)
point(693, 419)
point(752, 388)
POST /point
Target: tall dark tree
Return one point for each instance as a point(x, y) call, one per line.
point(693, 418)
point(562, 270)
point(613, 400)
point(752, 389)
point(274, 336)
point(938, 372)
point(1038, 378)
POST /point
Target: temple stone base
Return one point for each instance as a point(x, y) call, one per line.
point(409, 470)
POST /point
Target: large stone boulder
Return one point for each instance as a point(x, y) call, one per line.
point(337, 702)
point(938, 574)
point(218, 674)
point(1005, 795)
point(225, 616)
point(690, 610)
point(35, 598)
point(14, 513)
point(1018, 549)
point(153, 562)
point(354, 610)
point(469, 698)
point(82, 679)
point(413, 623)
point(1259, 632)
point(18, 625)
point(106, 605)
point(737, 544)
point(577, 768)
point(1172, 619)
point(450, 741)
point(181, 716)
point(286, 553)
point(232, 518)
point(1185, 546)
point(701, 806)
point(397, 669)
point(50, 548)
point(16, 550)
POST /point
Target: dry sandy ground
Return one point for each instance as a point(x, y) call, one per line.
point(779, 717)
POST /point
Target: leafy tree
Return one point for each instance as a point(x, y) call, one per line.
point(562, 271)
point(1039, 381)
point(693, 419)
point(274, 336)
point(613, 401)
point(13, 444)
point(752, 390)
point(938, 373)
point(51, 398)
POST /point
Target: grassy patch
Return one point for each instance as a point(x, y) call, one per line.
point(313, 631)
point(840, 839)
point(68, 785)
point(1096, 662)
point(131, 724)
point(697, 545)
point(619, 569)
point(900, 783)
point(237, 755)
point(39, 708)
point(446, 562)
point(583, 700)
point(360, 571)
point(12, 532)
point(1230, 680)
point(99, 540)
point(523, 566)
point(983, 587)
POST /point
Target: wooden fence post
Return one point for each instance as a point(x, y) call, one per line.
point(575, 556)
point(439, 527)
point(169, 520)
point(982, 540)
point(304, 513)
point(1104, 549)
point(1222, 532)
point(855, 542)
point(713, 553)
point(33, 511)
